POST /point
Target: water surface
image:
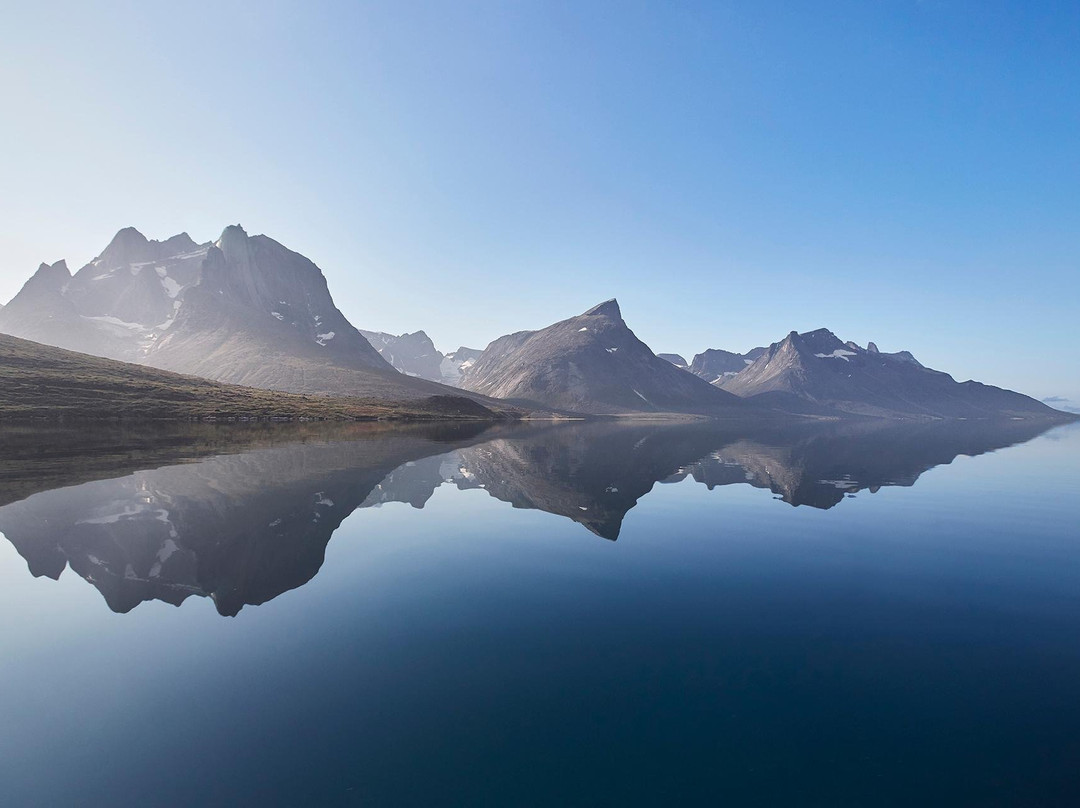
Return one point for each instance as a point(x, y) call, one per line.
point(538, 615)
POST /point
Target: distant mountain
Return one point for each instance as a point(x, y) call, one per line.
point(816, 372)
point(416, 355)
point(715, 364)
point(42, 382)
point(243, 310)
point(674, 359)
point(591, 363)
point(456, 363)
point(412, 354)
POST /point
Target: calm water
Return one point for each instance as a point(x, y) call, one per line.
point(569, 615)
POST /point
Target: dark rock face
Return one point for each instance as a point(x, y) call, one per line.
point(817, 373)
point(715, 364)
point(590, 363)
point(674, 359)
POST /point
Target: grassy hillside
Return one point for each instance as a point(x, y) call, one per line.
point(41, 382)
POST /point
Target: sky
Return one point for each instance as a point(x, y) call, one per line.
point(902, 172)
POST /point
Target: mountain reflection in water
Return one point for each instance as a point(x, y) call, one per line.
point(243, 514)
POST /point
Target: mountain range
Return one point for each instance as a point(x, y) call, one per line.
point(817, 372)
point(246, 310)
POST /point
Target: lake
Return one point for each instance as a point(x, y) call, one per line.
point(539, 614)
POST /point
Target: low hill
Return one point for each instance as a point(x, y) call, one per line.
point(42, 382)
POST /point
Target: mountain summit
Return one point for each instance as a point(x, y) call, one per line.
point(590, 363)
point(817, 372)
point(243, 309)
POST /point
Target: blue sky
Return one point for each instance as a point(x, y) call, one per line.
point(903, 172)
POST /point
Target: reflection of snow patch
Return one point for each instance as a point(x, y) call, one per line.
point(611, 350)
point(278, 315)
point(322, 499)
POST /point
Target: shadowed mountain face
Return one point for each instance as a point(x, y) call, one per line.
point(817, 373)
point(251, 518)
point(243, 310)
point(591, 363)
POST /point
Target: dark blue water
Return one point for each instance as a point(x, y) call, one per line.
point(572, 616)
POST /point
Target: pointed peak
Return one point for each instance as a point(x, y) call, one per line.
point(609, 308)
point(872, 347)
point(231, 234)
point(181, 241)
point(57, 270)
point(233, 243)
point(127, 246)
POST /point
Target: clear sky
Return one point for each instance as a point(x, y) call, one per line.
point(903, 172)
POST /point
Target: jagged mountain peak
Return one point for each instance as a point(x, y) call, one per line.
point(127, 246)
point(609, 308)
point(233, 243)
point(50, 275)
point(815, 372)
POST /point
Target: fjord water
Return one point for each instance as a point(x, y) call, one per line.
point(667, 613)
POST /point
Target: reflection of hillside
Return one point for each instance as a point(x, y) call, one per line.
point(239, 528)
point(242, 528)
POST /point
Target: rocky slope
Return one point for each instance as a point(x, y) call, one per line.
point(592, 363)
